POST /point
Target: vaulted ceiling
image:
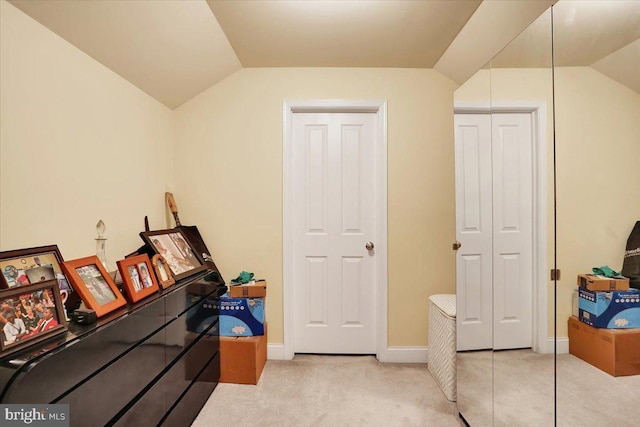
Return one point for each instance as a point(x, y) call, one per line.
point(175, 49)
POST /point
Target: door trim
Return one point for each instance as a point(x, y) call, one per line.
point(538, 111)
point(379, 107)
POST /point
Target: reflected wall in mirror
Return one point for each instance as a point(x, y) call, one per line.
point(474, 324)
point(504, 195)
point(597, 96)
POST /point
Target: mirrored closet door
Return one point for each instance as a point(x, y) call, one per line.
point(597, 110)
point(562, 103)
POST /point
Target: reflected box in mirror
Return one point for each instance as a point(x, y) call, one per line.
point(614, 310)
point(594, 282)
point(613, 351)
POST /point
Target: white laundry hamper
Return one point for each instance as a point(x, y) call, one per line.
point(442, 342)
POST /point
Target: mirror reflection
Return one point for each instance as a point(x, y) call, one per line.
point(563, 95)
point(474, 330)
point(503, 187)
point(597, 78)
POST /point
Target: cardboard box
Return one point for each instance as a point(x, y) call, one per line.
point(615, 351)
point(240, 317)
point(242, 359)
point(257, 289)
point(617, 309)
point(593, 282)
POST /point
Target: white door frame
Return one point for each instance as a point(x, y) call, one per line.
point(379, 107)
point(542, 343)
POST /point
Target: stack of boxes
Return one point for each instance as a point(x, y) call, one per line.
point(243, 333)
point(607, 330)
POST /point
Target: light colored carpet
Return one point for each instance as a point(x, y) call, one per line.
point(313, 390)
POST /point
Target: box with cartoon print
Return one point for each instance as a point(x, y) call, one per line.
point(615, 310)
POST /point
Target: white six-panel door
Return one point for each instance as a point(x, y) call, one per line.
point(512, 230)
point(474, 230)
point(334, 217)
point(494, 223)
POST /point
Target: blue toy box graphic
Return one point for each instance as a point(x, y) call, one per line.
point(614, 310)
point(240, 317)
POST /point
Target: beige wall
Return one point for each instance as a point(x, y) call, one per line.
point(77, 143)
point(229, 178)
point(597, 134)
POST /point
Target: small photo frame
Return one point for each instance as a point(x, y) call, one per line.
point(30, 314)
point(139, 281)
point(25, 267)
point(96, 288)
point(178, 253)
point(163, 272)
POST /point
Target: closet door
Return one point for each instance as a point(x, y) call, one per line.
point(474, 315)
point(494, 223)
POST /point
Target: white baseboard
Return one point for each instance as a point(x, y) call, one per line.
point(404, 355)
point(276, 352)
point(562, 345)
point(391, 355)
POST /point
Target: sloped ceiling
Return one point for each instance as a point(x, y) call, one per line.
point(175, 49)
point(172, 50)
point(409, 34)
point(602, 34)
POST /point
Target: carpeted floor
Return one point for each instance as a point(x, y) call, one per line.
point(317, 391)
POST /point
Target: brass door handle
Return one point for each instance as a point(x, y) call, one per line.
point(457, 245)
point(369, 246)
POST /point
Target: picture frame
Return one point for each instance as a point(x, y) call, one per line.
point(30, 314)
point(17, 265)
point(162, 271)
point(177, 250)
point(94, 285)
point(137, 277)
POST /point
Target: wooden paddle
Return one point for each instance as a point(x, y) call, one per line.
point(173, 207)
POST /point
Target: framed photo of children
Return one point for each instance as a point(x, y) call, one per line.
point(163, 272)
point(139, 281)
point(24, 267)
point(30, 314)
point(96, 288)
point(178, 253)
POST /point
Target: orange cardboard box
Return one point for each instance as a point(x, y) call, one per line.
point(257, 289)
point(593, 282)
point(242, 359)
point(615, 351)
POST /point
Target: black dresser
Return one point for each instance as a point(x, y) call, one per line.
point(151, 363)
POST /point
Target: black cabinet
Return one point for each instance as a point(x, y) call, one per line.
point(150, 363)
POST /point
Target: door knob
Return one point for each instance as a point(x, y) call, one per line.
point(369, 246)
point(457, 245)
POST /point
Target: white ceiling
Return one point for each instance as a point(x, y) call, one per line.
point(175, 49)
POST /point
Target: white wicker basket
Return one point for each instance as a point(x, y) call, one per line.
point(442, 342)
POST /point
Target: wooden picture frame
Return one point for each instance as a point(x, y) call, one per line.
point(40, 312)
point(95, 286)
point(163, 272)
point(177, 251)
point(16, 266)
point(137, 277)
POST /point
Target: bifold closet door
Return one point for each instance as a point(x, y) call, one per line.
point(494, 202)
point(473, 229)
